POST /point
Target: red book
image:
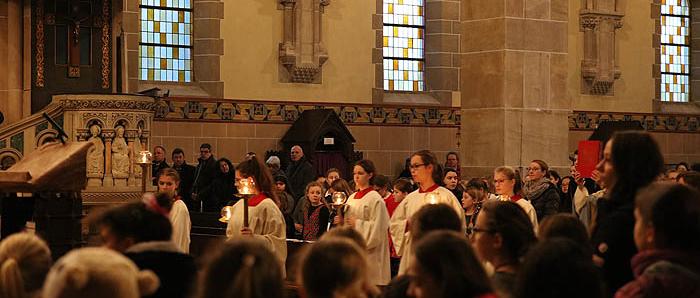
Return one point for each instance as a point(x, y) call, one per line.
point(588, 157)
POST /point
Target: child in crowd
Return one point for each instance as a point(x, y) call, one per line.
point(445, 266)
point(336, 267)
point(316, 213)
point(243, 268)
point(25, 260)
point(98, 272)
point(286, 202)
point(667, 234)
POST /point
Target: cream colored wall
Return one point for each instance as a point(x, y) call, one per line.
point(252, 30)
point(634, 91)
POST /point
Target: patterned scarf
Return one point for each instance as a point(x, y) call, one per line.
point(311, 224)
point(533, 189)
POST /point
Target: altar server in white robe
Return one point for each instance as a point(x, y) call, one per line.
point(179, 215)
point(426, 171)
point(508, 188)
point(367, 213)
point(265, 220)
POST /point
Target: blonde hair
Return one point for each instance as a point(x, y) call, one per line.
point(25, 260)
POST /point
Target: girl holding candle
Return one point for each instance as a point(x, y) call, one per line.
point(426, 171)
point(366, 213)
point(265, 220)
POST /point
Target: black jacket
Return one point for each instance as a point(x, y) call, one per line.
point(613, 241)
point(177, 271)
point(299, 174)
point(156, 167)
point(186, 173)
point(547, 203)
point(204, 175)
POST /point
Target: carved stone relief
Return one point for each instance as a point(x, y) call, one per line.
point(302, 52)
point(95, 157)
point(120, 157)
point(599, 19)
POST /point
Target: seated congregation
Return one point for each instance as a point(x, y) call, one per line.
point(622, 233)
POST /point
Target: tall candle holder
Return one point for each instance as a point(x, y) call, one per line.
point(338, 204)
point(144, 160)
point(246, 188)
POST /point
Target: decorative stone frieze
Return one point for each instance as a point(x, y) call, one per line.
point(301, 51)
point(599, 19)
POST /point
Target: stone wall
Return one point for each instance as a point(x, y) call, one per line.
point(15, 34)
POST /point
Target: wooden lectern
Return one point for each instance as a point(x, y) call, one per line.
point(45, 187)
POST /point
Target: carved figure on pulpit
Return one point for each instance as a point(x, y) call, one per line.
point(95, 156)
point(120, 155)
point(137, 148)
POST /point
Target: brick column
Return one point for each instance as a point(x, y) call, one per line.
point(513, 84)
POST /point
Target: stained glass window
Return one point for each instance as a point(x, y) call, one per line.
point(404, 27)
point(675, 49)
point(165, 49)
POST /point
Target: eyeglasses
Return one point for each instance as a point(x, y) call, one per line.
point(475, 230)
point(416, 166)
point(533, 169)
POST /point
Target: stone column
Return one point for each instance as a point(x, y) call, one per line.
point(11, 55)
point(108, 135)
point(513, 84)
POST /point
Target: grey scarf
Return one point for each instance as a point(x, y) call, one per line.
point(533, 189)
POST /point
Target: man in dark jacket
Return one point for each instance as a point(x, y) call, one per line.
point(299, 172)
point(204, 175)
point(158, 163)
point(186, 173)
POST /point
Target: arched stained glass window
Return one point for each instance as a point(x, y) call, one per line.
point(165, 48)
point(403, 45)
point(675, 50)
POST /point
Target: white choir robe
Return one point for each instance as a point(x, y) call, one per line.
point(528, 208)
point(372, 222)
point(401, 237)
point(267, 223)
point(180, 220)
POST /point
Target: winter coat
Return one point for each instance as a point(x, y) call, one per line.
point(613, 241)
point(299, 173)
point(547, 203)
point(664, 273)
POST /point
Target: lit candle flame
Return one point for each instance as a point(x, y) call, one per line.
point(432, 198)
point(339, 198)
point(225, 214)
point(246, 186)
point(144, 157)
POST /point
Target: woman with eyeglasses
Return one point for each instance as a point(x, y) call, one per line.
point(508, 187)
point(540, 191)
point(427, 173)
point(502, 236)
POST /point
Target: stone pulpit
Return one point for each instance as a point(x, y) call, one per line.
point(44, 188)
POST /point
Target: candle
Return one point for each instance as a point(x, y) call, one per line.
point(144, 157)
point(338, 198)
point(246, 186)
point(225, 214)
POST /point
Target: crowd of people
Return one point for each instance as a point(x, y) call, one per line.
point(631, 229)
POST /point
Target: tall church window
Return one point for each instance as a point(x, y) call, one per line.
point(675, 50)
point(165, 49)
point(403, 44)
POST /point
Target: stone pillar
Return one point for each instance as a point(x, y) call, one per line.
point(11, 54)
point(442, 48)
point(108, 135)
point(513, 84)
point(208, 46)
